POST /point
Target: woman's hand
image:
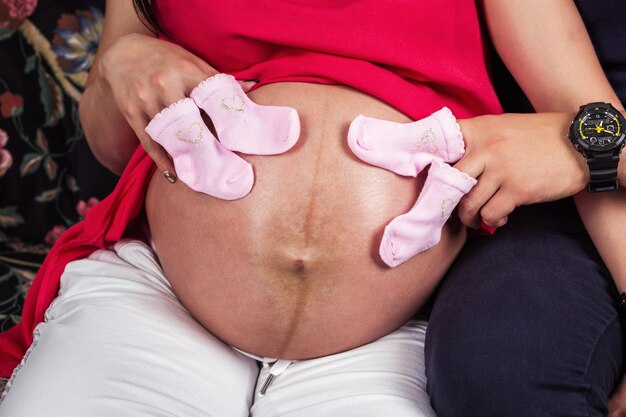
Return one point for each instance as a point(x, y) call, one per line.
point(145, 75)
point(518, 159)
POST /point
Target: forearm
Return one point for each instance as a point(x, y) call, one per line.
point(110, 138)
point(546, 47)
point(604, 217)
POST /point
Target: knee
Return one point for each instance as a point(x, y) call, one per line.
point(517, 348)
point(472, 370)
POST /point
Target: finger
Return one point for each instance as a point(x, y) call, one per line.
point(172, 85)
point(153, 149)
point(206, 69)
point(472, 164)
point(498, 208)
point(246, 85)
point(168, 98)
point(146, 99)
point(471, 204)
point(166, 90)
point(160, 157)
point(150, 106)
point(501, 222)
point(491, 228)
point(196, 73)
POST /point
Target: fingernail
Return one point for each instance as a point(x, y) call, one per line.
point(170, 177)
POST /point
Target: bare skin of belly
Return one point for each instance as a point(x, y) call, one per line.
point(292, 270)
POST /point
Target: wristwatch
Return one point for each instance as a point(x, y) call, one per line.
point(598, 132)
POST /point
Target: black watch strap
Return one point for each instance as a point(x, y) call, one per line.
point(603, 172)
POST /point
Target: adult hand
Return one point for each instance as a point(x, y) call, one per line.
point(146, 75)
point(617, 401)
point(518, 159)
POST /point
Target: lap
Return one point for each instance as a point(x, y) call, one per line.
point(383, 378)
point(117, 341)
point(527, 318)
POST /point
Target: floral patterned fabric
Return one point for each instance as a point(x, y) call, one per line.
point(48, 177)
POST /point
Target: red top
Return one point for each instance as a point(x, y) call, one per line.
point(415, 55)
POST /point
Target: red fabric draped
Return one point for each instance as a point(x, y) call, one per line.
point(416, 55)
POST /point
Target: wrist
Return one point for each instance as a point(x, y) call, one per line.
point(597, 133)
point(583, 170)
point(621, 171)
point(621, 167)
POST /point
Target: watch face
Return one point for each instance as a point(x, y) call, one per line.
point(600, 129)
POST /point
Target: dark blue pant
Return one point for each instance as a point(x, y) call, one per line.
point(526, 323)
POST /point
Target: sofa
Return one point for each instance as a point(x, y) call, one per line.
point(49, 178)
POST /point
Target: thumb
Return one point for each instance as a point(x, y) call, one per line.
point(471, 164)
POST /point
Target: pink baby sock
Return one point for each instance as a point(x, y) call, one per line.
point(406, 148)
point(420, 228)
point(243, 125)
point(200, 160)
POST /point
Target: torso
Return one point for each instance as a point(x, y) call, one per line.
point(292, 270)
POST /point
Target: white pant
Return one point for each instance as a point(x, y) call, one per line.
point(117, 342)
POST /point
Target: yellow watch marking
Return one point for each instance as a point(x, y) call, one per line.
point(619, 126)
point(580, 129)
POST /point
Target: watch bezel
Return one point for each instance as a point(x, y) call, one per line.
point(581, 144)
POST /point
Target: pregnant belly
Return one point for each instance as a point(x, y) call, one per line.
point(292, 270)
